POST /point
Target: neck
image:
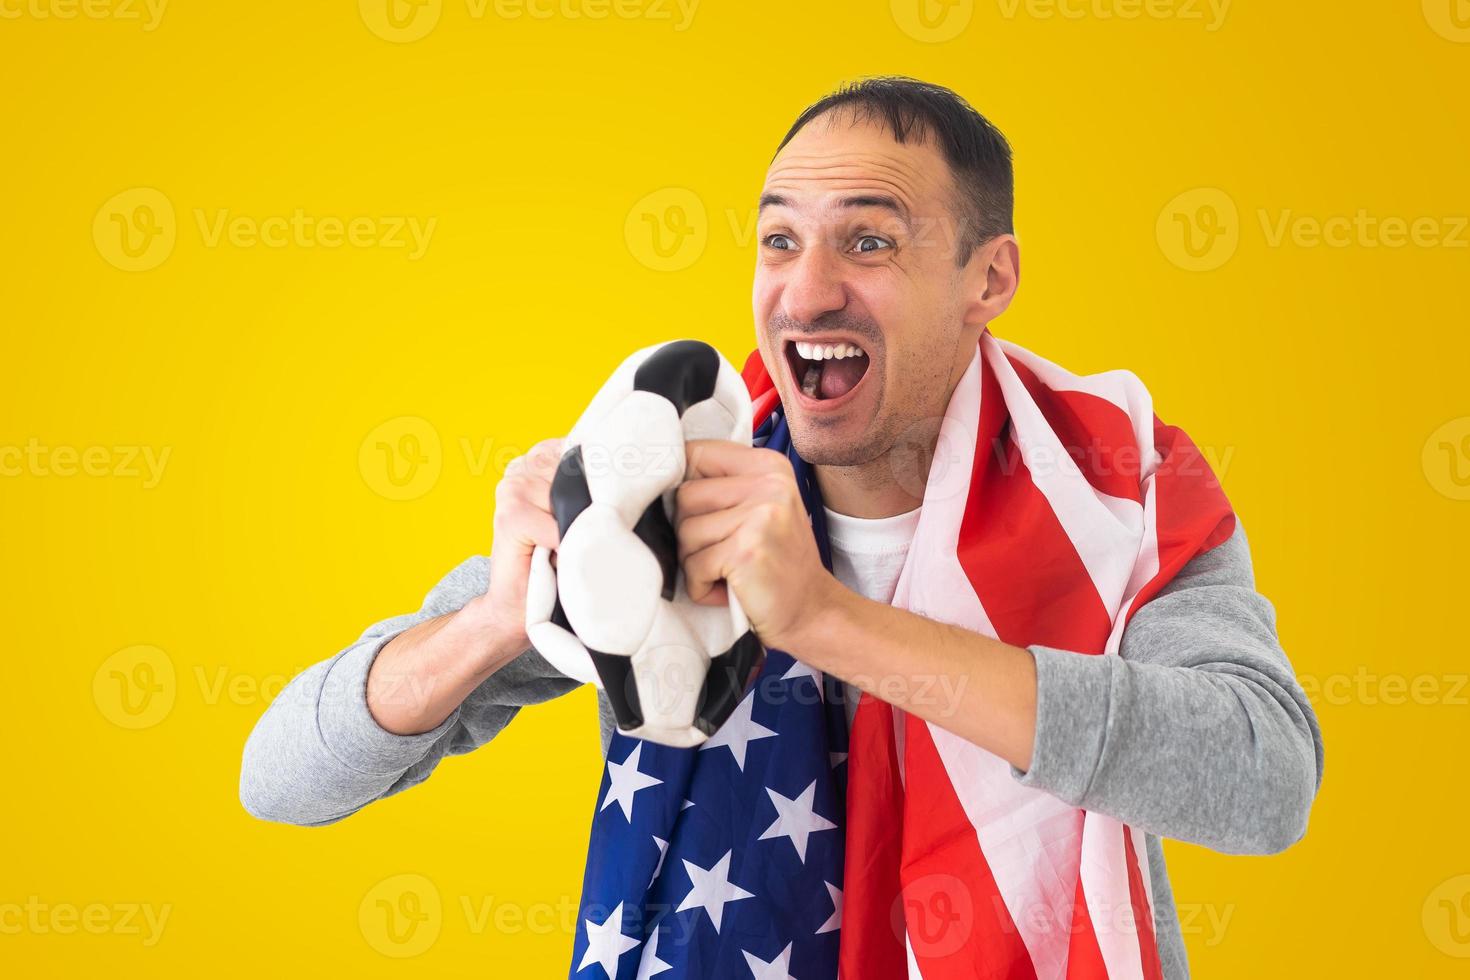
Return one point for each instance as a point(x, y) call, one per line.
point(891, 484)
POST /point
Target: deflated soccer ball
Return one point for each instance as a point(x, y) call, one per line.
point(614, 610)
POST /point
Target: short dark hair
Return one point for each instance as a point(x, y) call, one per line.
point(977, 153)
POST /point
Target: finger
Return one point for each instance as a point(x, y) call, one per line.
point(544, 457)
point(515, 485)
point(526, 525)
point(704, 574)
point(537, 492)
point(714, 493)
point(520, 484)
point(699, 532)
point(721, 457)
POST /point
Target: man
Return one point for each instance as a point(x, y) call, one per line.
point(885, 250)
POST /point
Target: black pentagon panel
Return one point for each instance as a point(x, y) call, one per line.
point(559, 616)
point(569, 493)
point(728, 679)
point(683, 371)
point(616, 674)
point(656, 531)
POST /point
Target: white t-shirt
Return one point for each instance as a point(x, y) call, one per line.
point(867, 556)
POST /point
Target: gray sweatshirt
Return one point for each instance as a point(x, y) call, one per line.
point(1198, 731)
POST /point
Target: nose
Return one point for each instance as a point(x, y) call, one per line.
point(814, 286)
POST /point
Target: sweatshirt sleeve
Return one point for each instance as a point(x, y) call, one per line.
point(1199, 731)
point(317, 755)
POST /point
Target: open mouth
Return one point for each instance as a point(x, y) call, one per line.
point(826, 370)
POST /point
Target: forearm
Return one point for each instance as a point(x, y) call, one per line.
point(1219, 755)
point(424, 673)
point(975, 686)
point(1197, 730)
point(319, 752)
point(316, 755)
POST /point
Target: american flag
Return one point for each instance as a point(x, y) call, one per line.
point(726, 860)
point(1056, 506)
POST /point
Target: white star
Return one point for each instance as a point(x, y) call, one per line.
point(711, 890)
point(799, 669)
point(777, 969)
point(796, 819)
point(738, 732)
point(650, 965)
point(606, 942)
point(663, 852)
point(836, 758)
point(626, 782)
point(834, 921)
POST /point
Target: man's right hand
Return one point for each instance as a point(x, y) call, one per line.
point(523, 520)
point(420, 676)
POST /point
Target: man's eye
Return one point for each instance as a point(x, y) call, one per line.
point(872, 243)
point(778, 241)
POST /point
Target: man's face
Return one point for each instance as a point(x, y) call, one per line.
point(857, 241)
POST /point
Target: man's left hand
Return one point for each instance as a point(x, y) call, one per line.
point(740, 524)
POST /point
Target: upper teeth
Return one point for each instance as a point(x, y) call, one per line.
point(821, 352)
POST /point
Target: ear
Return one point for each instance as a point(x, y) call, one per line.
point(991, 278)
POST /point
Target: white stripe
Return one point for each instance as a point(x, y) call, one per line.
point(1028, 838)
point(1144, 569)
point(1036, 846)
point(914, 972)
point(1120, 387)
point(1140, 847)
point(1106, 539)
point(1105, 883)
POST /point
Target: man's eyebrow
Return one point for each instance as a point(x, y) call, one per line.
point(876, 201)
point(857, 201)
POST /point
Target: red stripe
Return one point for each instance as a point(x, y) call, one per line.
point(1084, 955)
point(870, 945)
point(1191, 511)
point(1143, 916)
point(762, 406)
point(1015, 552)
point(1097, 434)
point(919, 845)
point(958, 922)
point(757, 378)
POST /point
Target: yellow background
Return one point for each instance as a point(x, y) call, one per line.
point(1328, 382)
